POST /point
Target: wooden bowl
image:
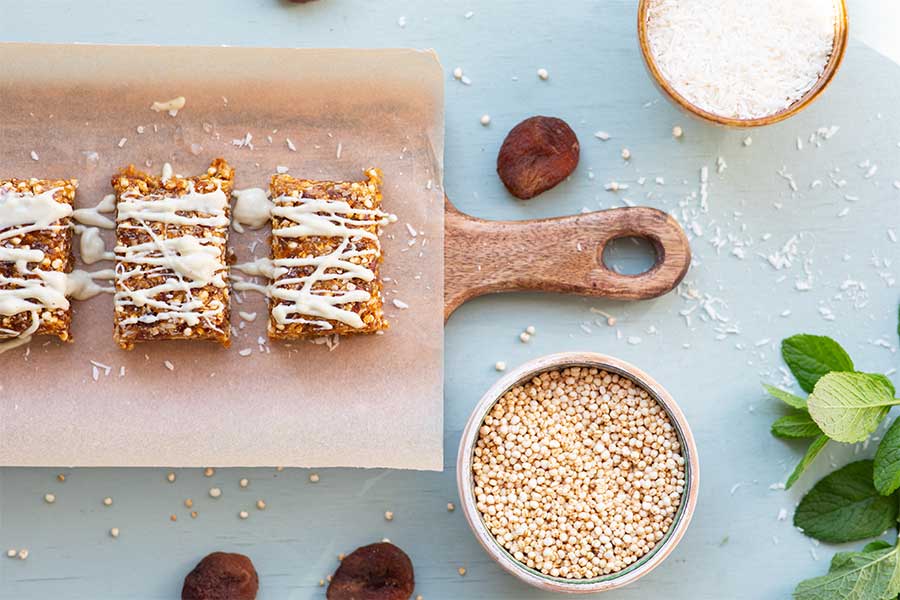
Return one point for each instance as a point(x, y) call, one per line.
point(466, 483)
point(831, 67)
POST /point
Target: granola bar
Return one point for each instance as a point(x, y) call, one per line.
point(35, 255)
point(171, 271)
point(326, 257)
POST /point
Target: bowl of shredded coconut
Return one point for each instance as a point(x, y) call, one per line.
point(742, 63)
point(578, 473)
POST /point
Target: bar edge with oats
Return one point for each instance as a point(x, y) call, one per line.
point(363, 196)
point(55, 242)
point(135, 323)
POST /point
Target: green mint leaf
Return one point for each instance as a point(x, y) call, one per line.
point(811, 356)
point(844, 560)
point(861, 576)
point(845, 507)
point(876, 545)
point(811, 453)
point(787, 397)
point(884, 379)
point(849, 406)
point(887, 461)
point(799, 425)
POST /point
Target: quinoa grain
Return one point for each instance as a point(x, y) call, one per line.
point(578, 473)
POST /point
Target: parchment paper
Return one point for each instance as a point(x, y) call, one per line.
point(373, 401)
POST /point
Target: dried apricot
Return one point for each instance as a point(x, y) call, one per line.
point(221, 576)
point(537, 155)
point(376, 572)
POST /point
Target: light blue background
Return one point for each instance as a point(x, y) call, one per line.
point(736, 548)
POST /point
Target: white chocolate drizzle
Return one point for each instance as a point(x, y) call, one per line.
point(93, 217)
point(186, 263)
point(252, 208)
point(91, 245)
point(80, 285)
point(322, 218)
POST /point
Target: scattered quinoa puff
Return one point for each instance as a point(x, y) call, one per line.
point(171, 271)
point(221, 576)
point(379, 571)
point(35, 255)
point(326, 257)
point(578, 473)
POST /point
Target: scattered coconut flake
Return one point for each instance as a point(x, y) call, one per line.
point(290, 144)
point(281, 169)
point(34, 155)
point(170, 106)
point(603, 136)
point(169, 365)
point(246, 352)
point(400, 303)
point(543, 74)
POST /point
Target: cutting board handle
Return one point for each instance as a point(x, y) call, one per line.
point(562, 255)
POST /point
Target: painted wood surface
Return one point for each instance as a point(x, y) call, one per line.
point(838, 241)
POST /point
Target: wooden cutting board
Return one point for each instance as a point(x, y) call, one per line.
point(563, 255)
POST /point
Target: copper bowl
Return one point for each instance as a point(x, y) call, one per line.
point(466, 484)
point(831, 68)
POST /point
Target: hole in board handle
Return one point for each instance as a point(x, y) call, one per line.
point(629, 255)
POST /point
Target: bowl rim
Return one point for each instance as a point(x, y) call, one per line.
point(465, 482)
point(841, 34)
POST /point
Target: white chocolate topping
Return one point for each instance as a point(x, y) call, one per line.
point(252, 208)
point(93, 217)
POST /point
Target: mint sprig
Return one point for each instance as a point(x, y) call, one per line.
point(860, 500)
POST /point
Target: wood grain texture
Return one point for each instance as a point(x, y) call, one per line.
point(563, 254)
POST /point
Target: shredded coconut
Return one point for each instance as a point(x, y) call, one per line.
point(741, 59)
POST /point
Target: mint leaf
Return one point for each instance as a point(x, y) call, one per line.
point(844, 560)
point(787, 397)
point(887, 461)
point(849, 406)
point(799, 425)
point(876, 545)
point(884, 379)
point(861, 576)
point(811, 453)
point(811, 356)
point(845, 506)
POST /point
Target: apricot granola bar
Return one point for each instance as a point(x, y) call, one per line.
point(35, 255)
point(326, 257)
point(171, 271)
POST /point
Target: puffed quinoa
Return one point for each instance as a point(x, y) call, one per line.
point(578, 473)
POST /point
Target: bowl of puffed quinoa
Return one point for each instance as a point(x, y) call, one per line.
point(578, 473)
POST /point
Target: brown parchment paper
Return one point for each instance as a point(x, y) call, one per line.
point(374, 401)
